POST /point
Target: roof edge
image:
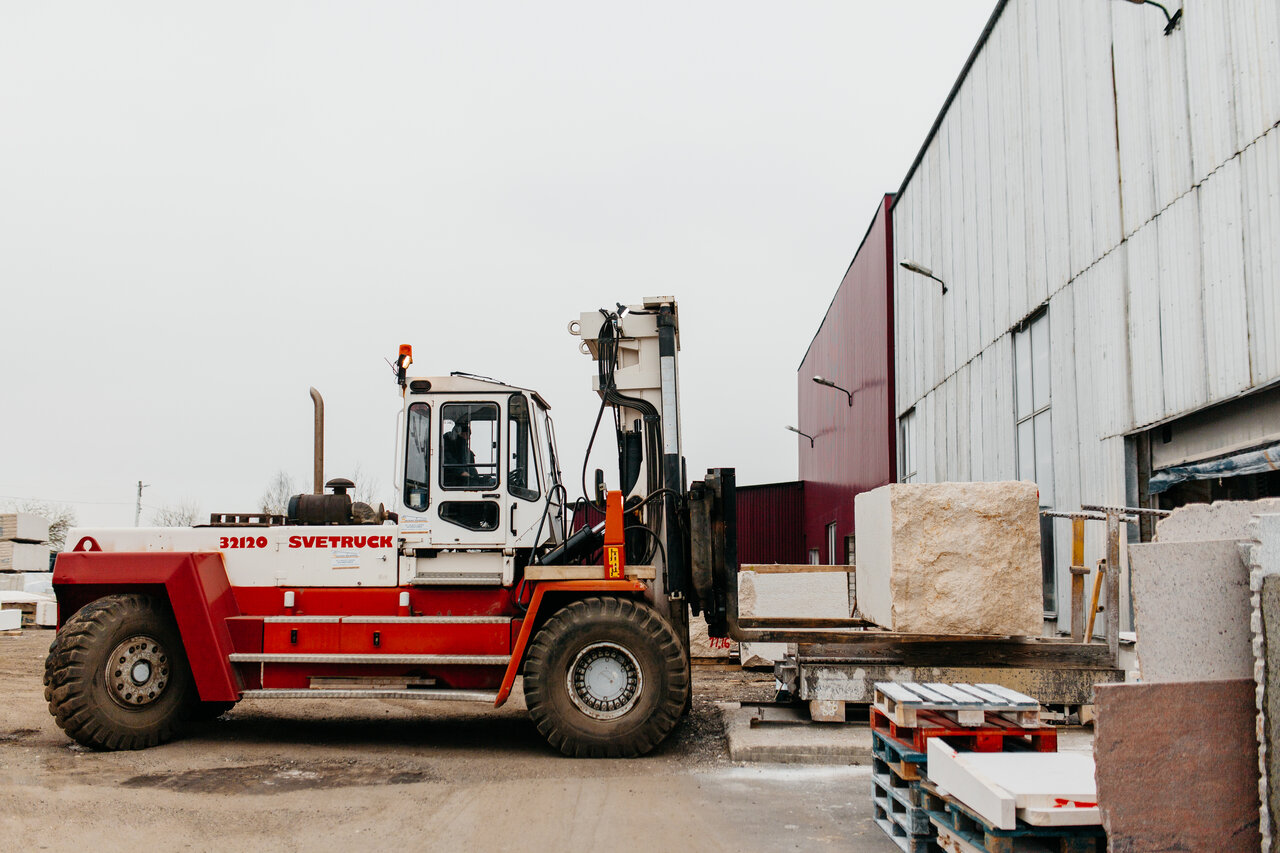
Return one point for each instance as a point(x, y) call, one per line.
point(886, 204)
point(946, 105)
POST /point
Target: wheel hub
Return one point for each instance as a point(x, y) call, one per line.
point(605, 681)
point(137, 672)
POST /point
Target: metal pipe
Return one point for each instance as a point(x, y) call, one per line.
point(318, 456)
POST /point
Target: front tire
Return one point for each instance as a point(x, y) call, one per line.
point(117, 675)
point(605, 677)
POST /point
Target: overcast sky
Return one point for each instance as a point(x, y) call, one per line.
point(207, 208)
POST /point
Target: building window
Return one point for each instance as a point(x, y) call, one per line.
point(907, 447)
point(831, 545)
point(1031, 395)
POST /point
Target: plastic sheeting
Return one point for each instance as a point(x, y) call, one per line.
point(1257, 461)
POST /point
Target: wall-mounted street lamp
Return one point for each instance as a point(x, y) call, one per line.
point(805, 434)
point(921, 269)
point(1171, 21)
point(831, 384)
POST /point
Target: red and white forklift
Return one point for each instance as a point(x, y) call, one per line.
point(474, 576)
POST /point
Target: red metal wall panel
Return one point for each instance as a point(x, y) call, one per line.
point(771, 523)
point(854, 447)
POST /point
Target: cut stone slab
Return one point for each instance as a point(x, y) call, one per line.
point(24, 527)
point(951, 558)
point(1005, 786)
point(793, 742)
point(1191, 610)
point(27, 581)
point(23, 557)
point(1177, 766)
point(1220, 520)
point(817, 594)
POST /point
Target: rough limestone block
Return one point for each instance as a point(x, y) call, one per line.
point(1221, 520)
point(700, 643)
point(1269, 683)
point(23, 557)
point(24, 527)
point(951, 558)
point(1191, 610)
point(1177, 766)
point(1262, 553)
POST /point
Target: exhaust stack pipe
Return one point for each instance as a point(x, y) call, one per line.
point(319, 442)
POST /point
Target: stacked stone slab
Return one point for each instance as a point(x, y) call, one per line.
point(24, 552)
point(951, 558)
point(1176, 755)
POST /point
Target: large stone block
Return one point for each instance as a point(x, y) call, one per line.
point(951, 558)
point(1191, 610)
point(1177, 766)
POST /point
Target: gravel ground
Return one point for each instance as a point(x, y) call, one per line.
point(329, 775)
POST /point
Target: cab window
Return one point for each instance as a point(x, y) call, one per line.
point(416, 457)
point(469, 445)
point(522, 463)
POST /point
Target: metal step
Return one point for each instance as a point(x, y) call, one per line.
point(457, 579)
point(440, 695)
point(438, 660)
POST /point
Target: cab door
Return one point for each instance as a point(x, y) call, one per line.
point(468, 506)
point(528, 520)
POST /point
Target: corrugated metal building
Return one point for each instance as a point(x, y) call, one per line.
point(850, 447)
point(771, 523)
point(1102, 201)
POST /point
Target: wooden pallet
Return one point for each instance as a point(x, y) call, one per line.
point(996, 735)
point(960, 830)
point(966, 704)
point(905, 762)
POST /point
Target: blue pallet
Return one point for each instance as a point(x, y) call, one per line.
point(967, 825)
point(897, 806)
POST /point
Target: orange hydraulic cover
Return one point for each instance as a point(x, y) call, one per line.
point(614, 538)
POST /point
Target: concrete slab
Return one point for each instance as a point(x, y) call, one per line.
point(1220, 520)
point(1191, 610)
point(1177, 766)
point(793, 743)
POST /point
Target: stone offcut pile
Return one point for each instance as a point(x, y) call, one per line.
point(951, 558)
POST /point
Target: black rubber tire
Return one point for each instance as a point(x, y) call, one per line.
point(76, 675)
point(656, 707)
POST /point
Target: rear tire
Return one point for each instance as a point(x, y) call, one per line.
point(605, 678)
point(117, 675)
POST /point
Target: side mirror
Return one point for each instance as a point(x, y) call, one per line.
point(600, 489)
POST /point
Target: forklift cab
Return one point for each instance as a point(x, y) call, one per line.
point(480, 479)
